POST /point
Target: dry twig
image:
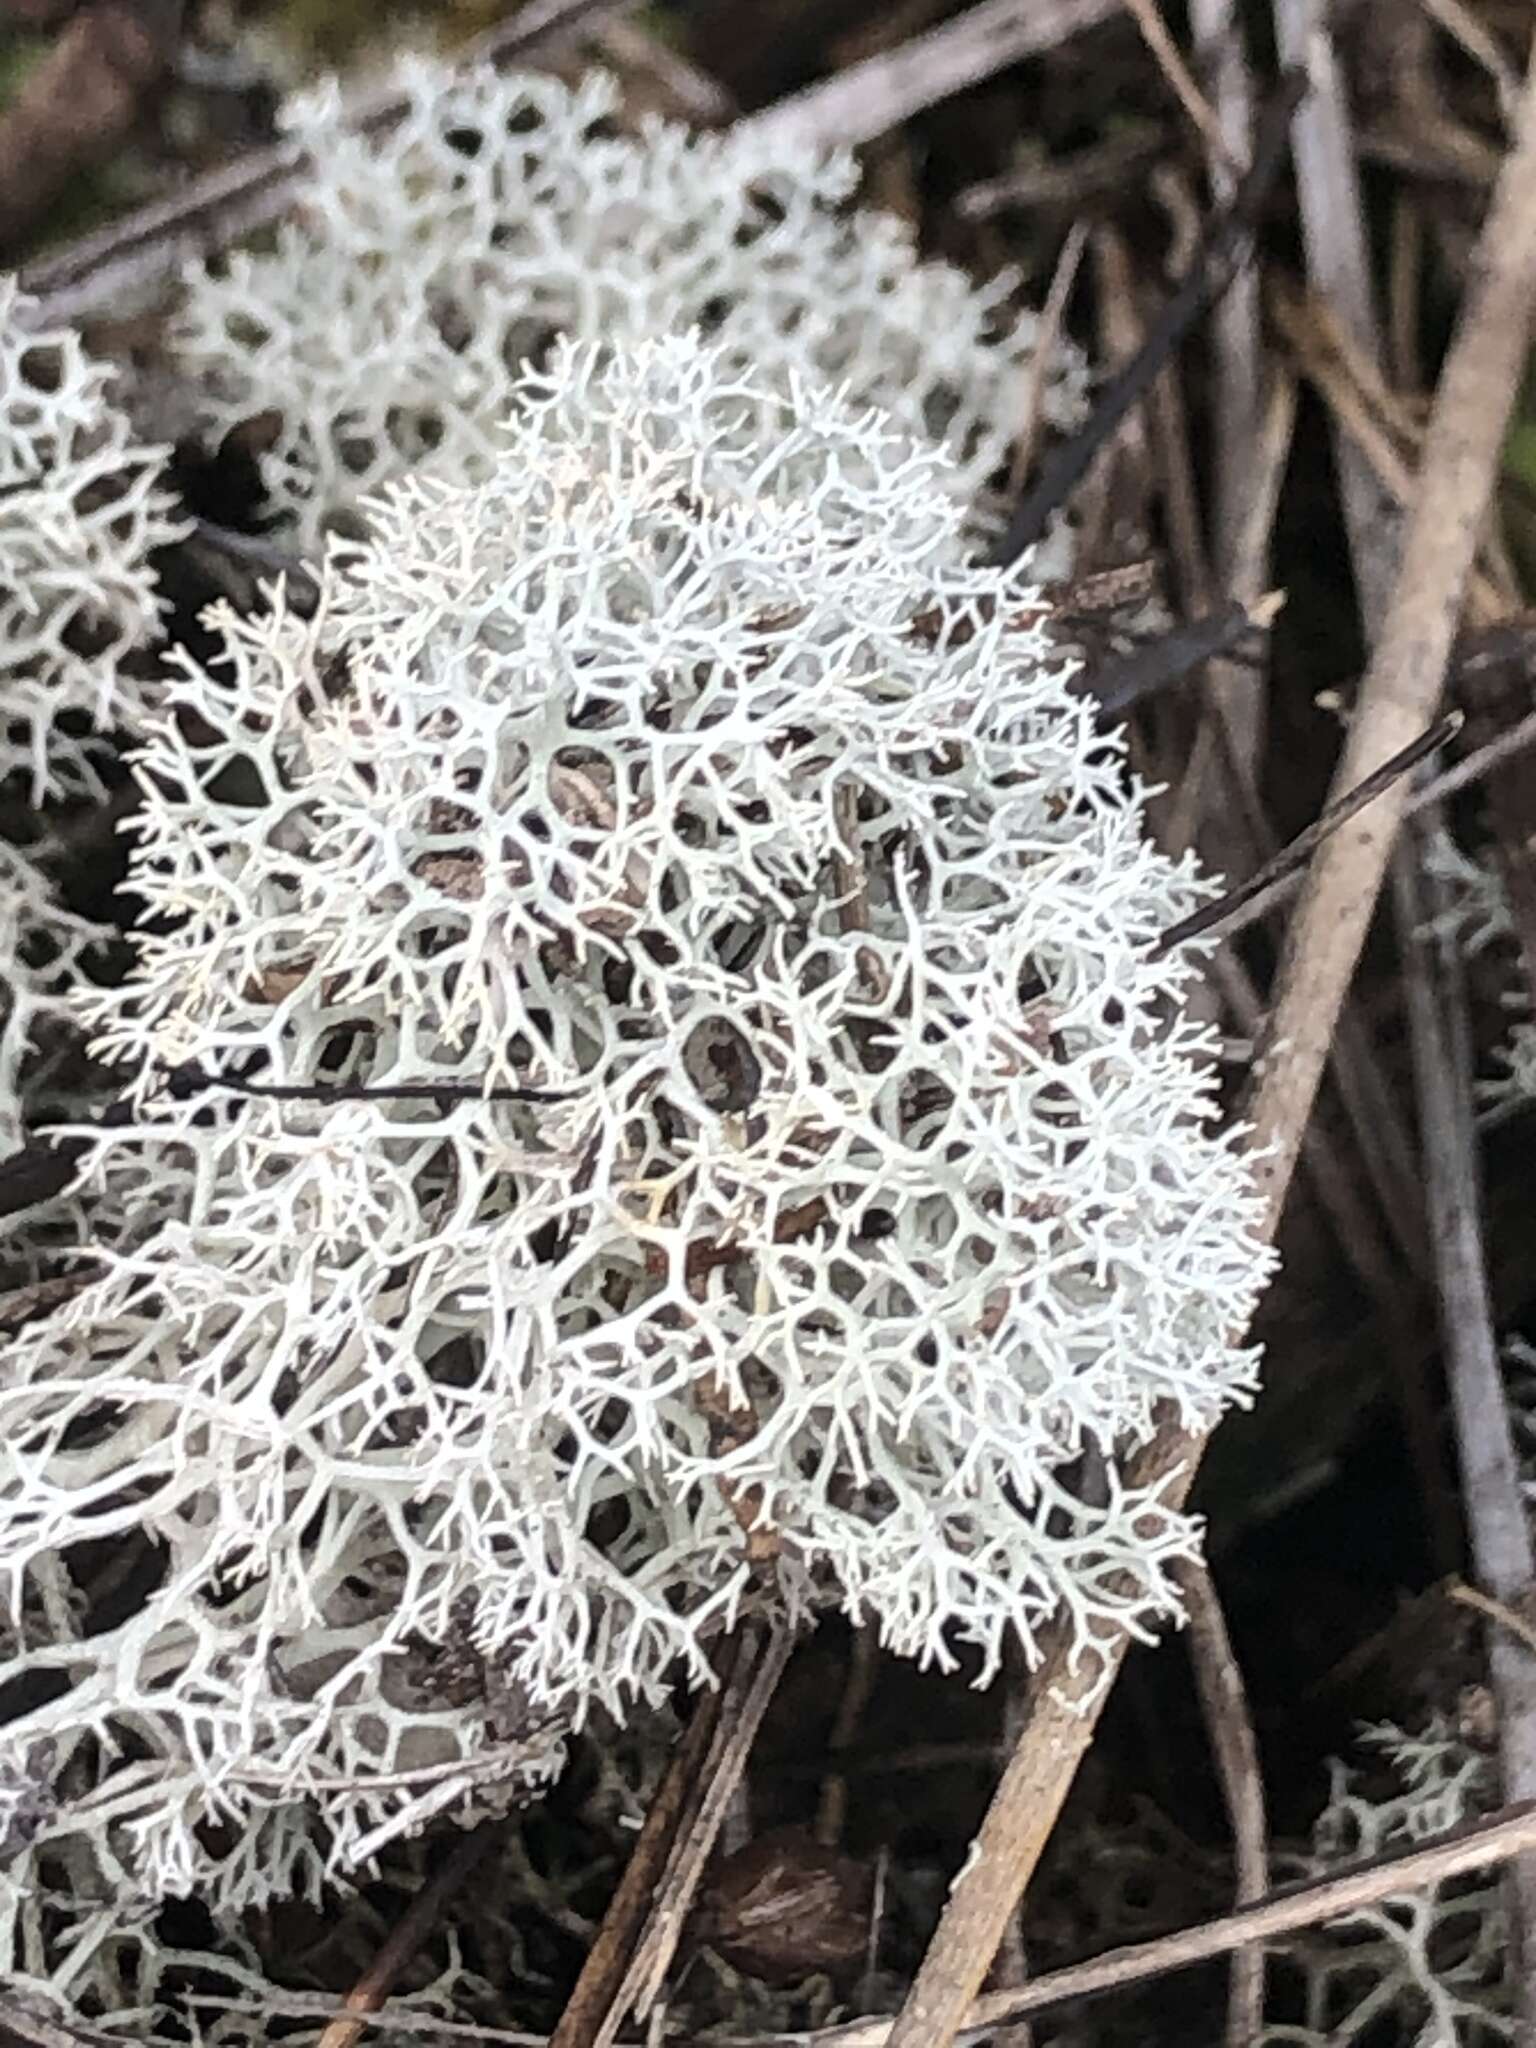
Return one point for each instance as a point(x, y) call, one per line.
point(1071, 181)
point(761, 1656)
point(1235, 1752)
point(1333, 230)
point(1238, 373)
point(644, 1922)
point(1052, 314)
point(405, 1937)
point(609, 1958)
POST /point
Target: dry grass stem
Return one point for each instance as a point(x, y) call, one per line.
point(608, 1960)
point(1333, 232)
point(1071, 181)
point(1052, 314)
point(1239, 373)
point(1155, 34)
point(858, 1687)
point(1235, 1752)
point(407, 1935)
point(866, 100)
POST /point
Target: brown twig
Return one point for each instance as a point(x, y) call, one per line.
point(676, 1798)
point(1052, 314)
point(1112, 501)
point(405, 1937)
point(1165, 53)
point(1168, 427)
point(1333, 231)
point(1070, 181)
point(1240, 484)
point(1235, 1752)
point(858, 1684)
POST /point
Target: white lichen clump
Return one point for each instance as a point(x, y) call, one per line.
point(82, 509)
point(682, 770)
point(44, 950)
point(387, 326)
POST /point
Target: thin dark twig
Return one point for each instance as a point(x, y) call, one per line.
point(761, 1655)
point(640, 1932)
point(1224, 247)
point(1474, 766)
point(1125, 679)
point(610, 1956)
point(405, 1937)
point(190, 1079)
point(1253, 896)
point(44, 1168)
point(1042, 358)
